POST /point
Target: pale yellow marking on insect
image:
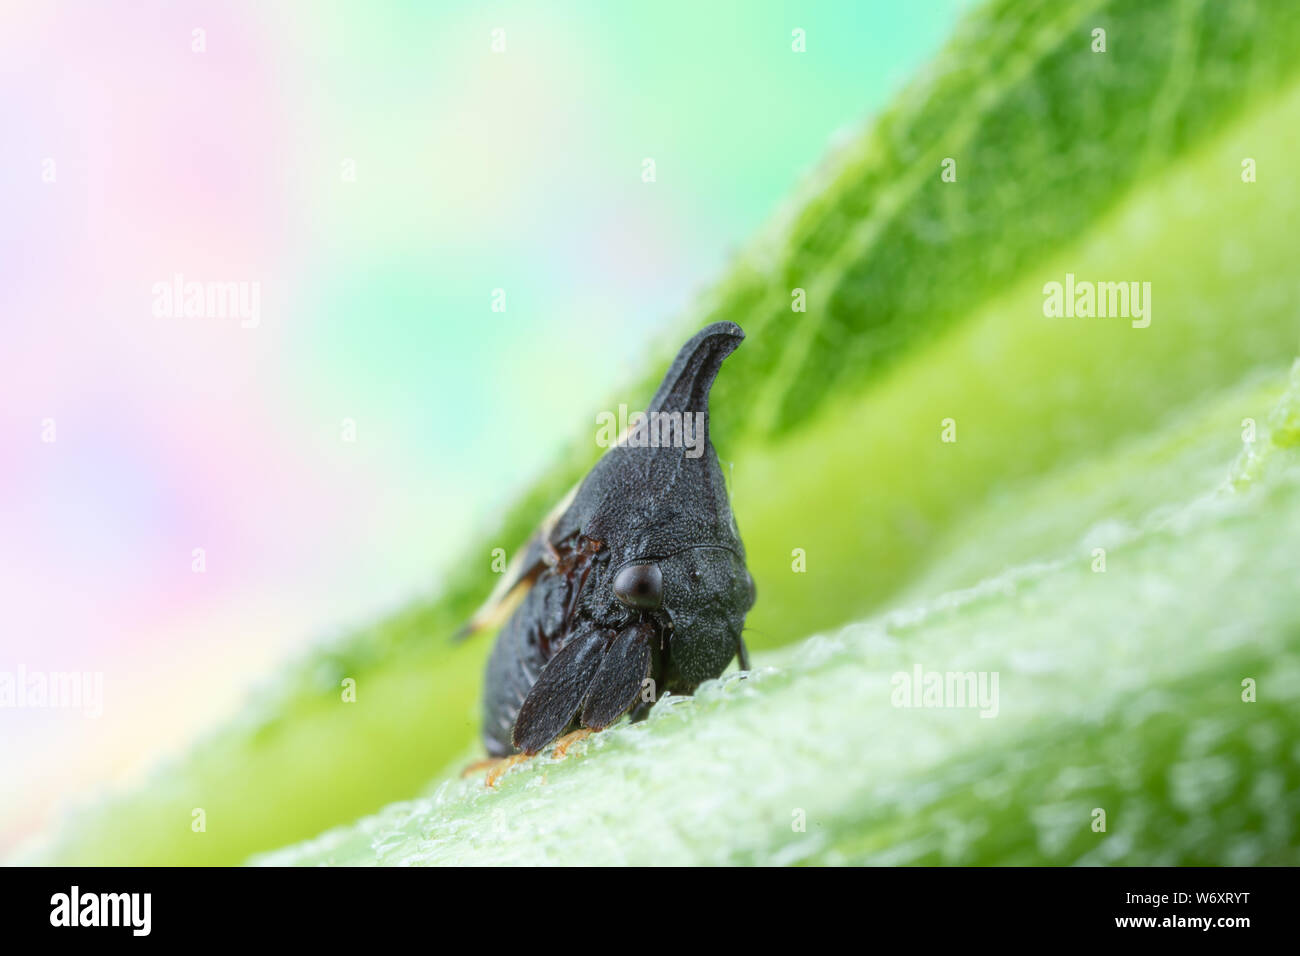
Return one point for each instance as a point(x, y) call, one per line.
point(510, 590)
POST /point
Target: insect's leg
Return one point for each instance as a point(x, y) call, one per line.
point(568, 740)
point(742, 654)
point(495, 767)
point(479, 765)
point(577, 589)
point(501, 766)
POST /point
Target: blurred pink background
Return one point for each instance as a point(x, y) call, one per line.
point(129, 156)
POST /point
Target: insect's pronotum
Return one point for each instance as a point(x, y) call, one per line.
point(638, 581)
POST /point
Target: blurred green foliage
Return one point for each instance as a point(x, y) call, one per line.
point(924, 303)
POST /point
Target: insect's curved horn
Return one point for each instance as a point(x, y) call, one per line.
point(685, 387)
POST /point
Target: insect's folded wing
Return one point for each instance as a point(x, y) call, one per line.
point(620, 677)
point(559, 691)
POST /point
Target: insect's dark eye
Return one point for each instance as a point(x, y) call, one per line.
point(640, 586)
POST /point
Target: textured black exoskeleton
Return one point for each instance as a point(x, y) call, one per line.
point(640, 575)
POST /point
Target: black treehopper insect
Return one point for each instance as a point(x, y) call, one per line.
point(635, 585)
